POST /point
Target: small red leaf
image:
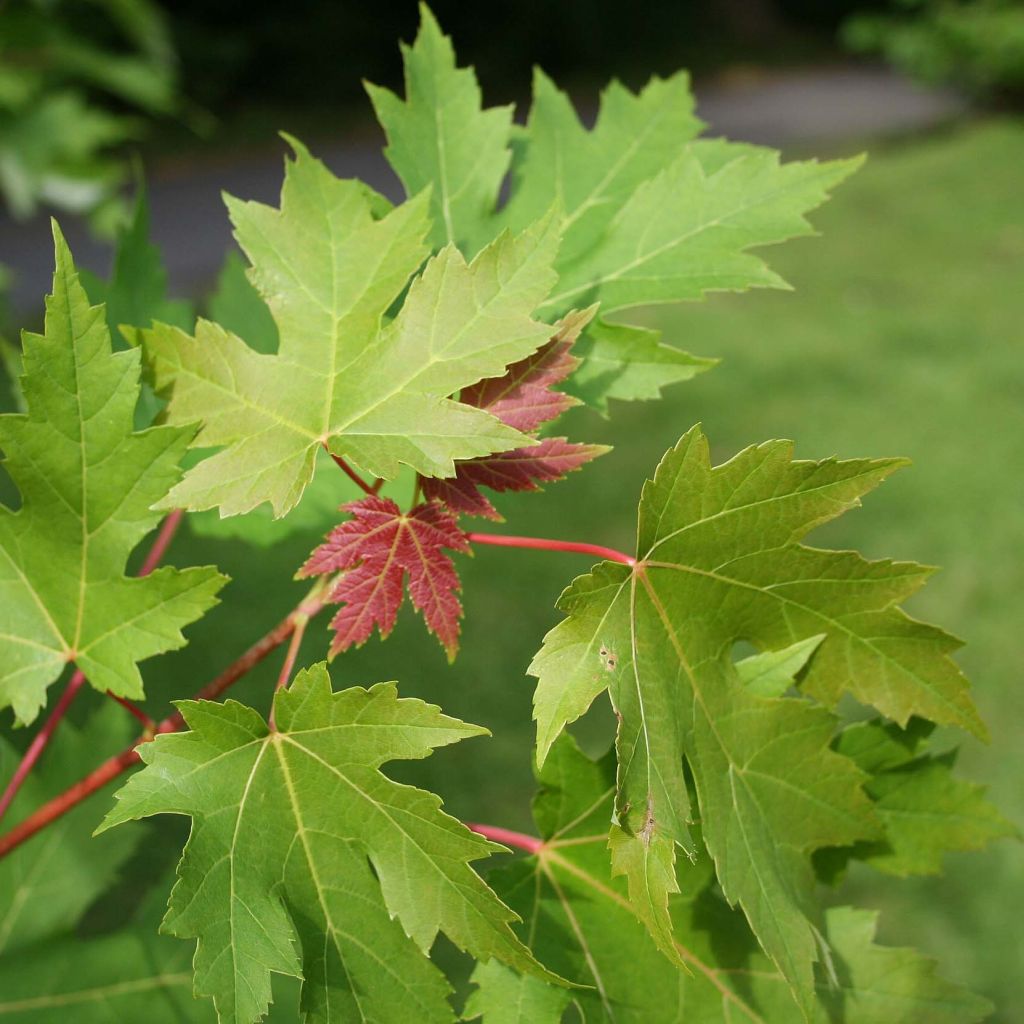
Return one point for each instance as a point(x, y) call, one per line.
point(524, 398)
point(377, 548)
point(519, 470)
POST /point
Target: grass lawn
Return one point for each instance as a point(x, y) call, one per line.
point(904, 336)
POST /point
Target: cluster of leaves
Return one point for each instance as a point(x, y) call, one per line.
point(432, 343)
point(55, 67)
point(975, 44)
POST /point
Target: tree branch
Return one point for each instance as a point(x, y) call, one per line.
point(114, 766)
point(541, 544)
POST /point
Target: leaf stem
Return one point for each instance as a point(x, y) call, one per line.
point(542, 544)
point(134, 710)
point(355, 477)
point(114, 766)
point(39, 741)
point(518, 840)
point(301, 621)
point(168, 529)
point(35, 749)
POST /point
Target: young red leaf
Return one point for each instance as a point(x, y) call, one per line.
point(520, 470)
point(524, 398)
point(376, 550)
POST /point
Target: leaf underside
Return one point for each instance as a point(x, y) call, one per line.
point(719, 561)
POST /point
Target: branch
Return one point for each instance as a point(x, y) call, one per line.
point(541, 544)
point(355, 477)
point(114, 766)
point(38, 745)
point(518, 840)
point(39, 741)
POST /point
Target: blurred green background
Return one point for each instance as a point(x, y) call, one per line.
point(903, 337)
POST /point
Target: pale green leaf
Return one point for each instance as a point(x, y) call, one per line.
point(375, 394)
point(590, 174)
point(718, 562)
point(628, 364)
point(772, 673)
point(87, 485)
point(686, 232)
point(440, 138)
point(286, 825)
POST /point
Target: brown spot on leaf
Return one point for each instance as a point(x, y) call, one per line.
point(647, 832)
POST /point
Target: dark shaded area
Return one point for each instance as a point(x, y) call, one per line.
point(316, 52)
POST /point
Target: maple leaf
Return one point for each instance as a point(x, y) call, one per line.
point(87, 485)
point(377, 549)
point(525, 399)
point(924, 810)
point(718, 562)
point(645, 211)
point(579, 920)
point(441, 138)
point(373, 392)
point(276, 876)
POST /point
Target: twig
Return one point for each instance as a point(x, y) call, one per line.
point(114, 766)
point(518, 840)
point(134, 710)
point(38, 744)
point(168, 529)
point(542, 544)
point(354, 476)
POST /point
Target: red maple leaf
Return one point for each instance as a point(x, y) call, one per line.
point(377, 548)
point(524, 398)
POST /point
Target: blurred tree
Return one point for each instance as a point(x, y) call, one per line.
point(975, 44)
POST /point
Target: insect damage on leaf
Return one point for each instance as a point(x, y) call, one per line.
point(377, 549)
point(524, 398)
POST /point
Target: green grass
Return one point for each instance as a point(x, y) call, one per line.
point(903, 337)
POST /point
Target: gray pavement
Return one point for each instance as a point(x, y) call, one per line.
point(797, 110)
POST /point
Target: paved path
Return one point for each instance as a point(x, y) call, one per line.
point(797, 110)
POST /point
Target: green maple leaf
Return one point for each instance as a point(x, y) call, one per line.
point(645, 211)
point(48, 882)
point(375, 394)
point(87, 485)
point(579, 918)
point(285, 821)
point(772, 673)
point(441, 138)
point(590, 174)
point(924, 809)
point(719, 562)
